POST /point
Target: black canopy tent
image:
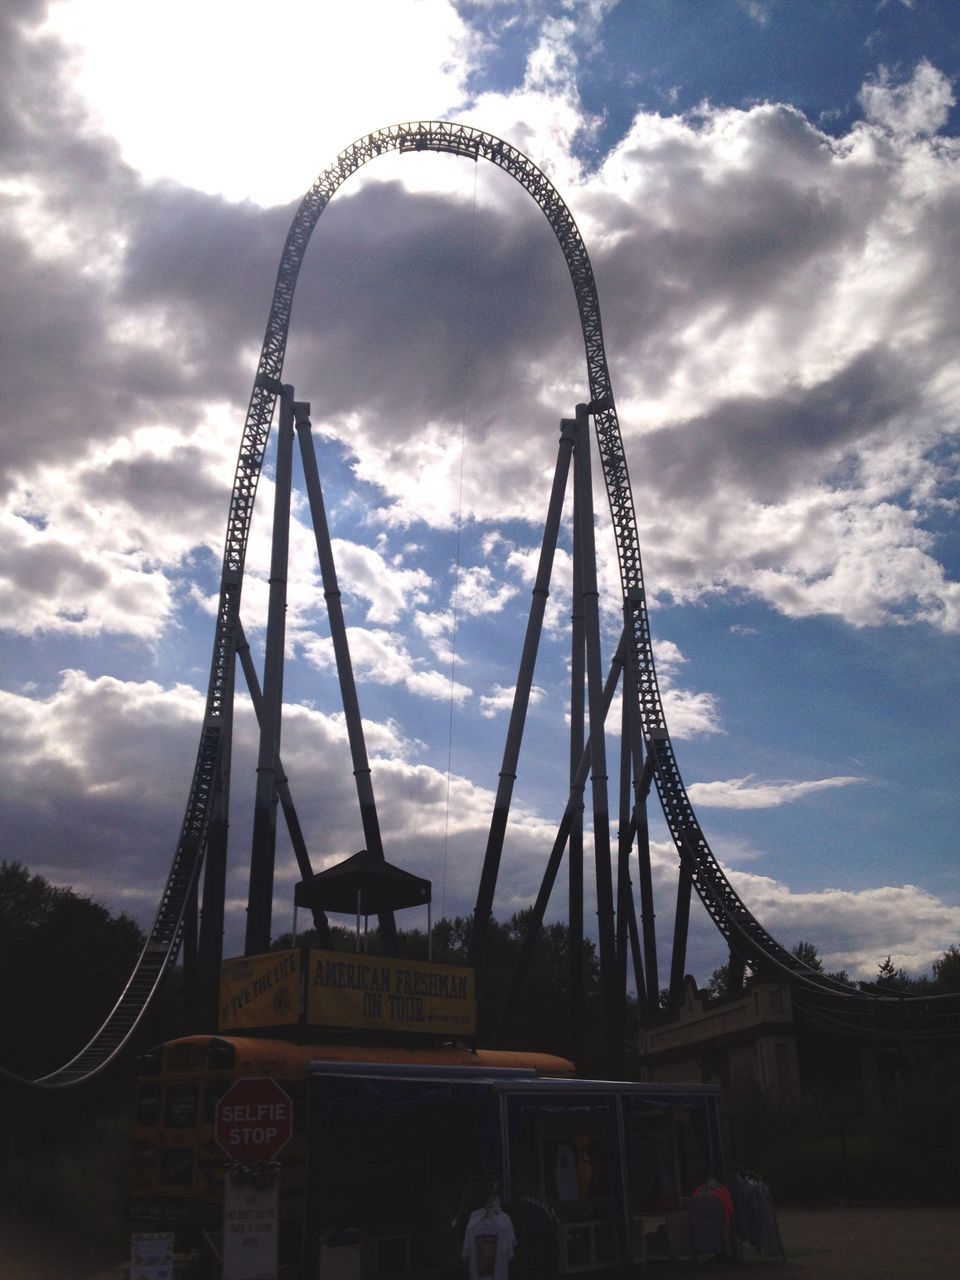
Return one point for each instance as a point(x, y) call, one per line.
point(364, 885)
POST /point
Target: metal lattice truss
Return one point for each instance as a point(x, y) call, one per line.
point(747, 938)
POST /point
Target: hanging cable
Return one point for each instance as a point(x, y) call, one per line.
point(468, 347)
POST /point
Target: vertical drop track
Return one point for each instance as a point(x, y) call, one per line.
point(203, 819)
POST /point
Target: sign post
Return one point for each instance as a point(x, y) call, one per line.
point(254, 1122)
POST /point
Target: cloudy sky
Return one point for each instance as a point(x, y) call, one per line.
point(770, 194)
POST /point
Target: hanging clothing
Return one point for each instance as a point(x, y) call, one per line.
point(710, 1213)
point(756, 1215)
point(566, 1176)
point(489, 1243)
point(714, 1188)
point(584, 1167)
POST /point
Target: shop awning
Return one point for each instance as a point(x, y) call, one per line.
point(363, 885)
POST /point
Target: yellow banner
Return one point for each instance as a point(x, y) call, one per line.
point(260, 991)
point(380, 994)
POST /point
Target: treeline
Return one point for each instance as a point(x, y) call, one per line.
point(943, 980)
point(64, 960)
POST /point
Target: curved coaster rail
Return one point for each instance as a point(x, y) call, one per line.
point(742, 930)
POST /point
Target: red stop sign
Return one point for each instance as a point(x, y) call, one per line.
point(254, 1119)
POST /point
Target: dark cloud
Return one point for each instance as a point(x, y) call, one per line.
point(760, 448)
point(208, 266)
point(694, 238)
point(152, 486)
point(399, 295)
point(64, 378)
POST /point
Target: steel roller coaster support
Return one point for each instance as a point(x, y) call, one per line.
point(203, 832)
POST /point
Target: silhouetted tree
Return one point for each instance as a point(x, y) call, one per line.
point(719, 982)
point(946, 971)
point(808, 954)
point(63, 962)
point(899, 982)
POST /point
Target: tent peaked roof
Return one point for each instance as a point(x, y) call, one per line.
point(380, 886)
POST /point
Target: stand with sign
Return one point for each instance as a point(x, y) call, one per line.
point(254, 1122)
point(151, 1256)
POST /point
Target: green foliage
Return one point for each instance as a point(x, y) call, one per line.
point(946, 971)
point(807, 953)
point(71, 1177)
point(63, 962)
point(718, 985)
point(888, 975)
point(719, 982)
point(898, 982)
point(945, 979)
point(834, 1148)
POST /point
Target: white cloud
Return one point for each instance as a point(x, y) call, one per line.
point(478, 592)
point(921, 105)
point(344, 71)
point(383, 658)
point(789, 375)
point(501, 699)
point(855, 929)
point(758, 10)
point(690, 714)
point(390, 589)
point(737, 793)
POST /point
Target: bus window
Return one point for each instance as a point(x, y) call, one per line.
point(181, 1109)
point(148, 1104)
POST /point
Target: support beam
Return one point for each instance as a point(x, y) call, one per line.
point(574, 801)
point(341, 649)
point(643, 769)
point(260, 904)
point(294, 830)
point(191, 983)
point(736, 969)
point(210, 945)
point(577, 744)
point(521, 699)
point(635, 953)
point(632, 929)
point(598, 753)
point(681, 925)
point(625, 833)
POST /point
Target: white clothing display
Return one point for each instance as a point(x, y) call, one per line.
point(565, 1175)
point(488, 1243)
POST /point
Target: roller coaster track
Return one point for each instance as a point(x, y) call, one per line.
point(741, 929)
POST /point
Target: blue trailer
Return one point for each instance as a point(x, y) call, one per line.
point(594, 1175)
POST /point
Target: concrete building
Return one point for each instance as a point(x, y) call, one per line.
point(749, 1038)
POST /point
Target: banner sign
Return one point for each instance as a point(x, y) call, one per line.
point(344, 989)
point(260, 991)
point(376, 993)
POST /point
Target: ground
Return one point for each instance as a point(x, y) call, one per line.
point(821, 1244)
